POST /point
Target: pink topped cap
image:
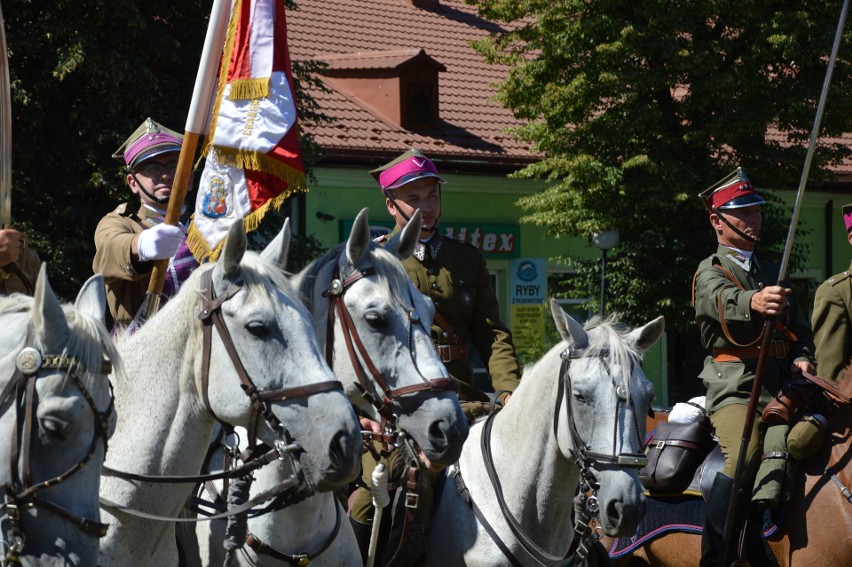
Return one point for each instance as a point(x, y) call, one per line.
point(404, 169)
point(847, 217)
point(150, 139)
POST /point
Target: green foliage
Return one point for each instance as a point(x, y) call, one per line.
point(636, 107)
point(84, 75)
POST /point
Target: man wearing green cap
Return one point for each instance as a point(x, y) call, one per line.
point(832, 318)
point(734, 291)
point(129, 239)
point(455, 276)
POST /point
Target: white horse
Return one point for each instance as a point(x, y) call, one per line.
point(56, 417)
point(182, 378)
point(374, 305)
point(578, 415)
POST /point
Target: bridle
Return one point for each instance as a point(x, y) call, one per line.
point(23, 492)
point(585, 507)
point(256, 455)
point(383, 401)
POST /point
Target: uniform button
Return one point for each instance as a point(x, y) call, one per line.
point(435, 286)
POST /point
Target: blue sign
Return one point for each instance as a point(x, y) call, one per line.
point(527, 280)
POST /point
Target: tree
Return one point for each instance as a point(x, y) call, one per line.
point(84, 75)
point(638, 106)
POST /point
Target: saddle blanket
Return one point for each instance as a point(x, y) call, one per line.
point(684, 514)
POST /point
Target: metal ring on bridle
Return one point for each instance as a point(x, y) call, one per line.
point(29, 361)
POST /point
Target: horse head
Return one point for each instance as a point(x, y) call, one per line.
point(277, 385)
point(376, 328)
point(606, 398)
point(57, 416)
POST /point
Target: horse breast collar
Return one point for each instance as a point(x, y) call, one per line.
point(22, 492)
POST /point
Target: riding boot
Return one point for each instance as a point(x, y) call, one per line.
point(757, 550)
point(362, 536)
point(715, 515)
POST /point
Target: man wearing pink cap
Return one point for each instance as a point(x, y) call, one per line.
point(455, 276)
point(733, 291)
point(832, 318)
point(129, 239)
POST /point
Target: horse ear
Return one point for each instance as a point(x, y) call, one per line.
point(49, 321)
point(276, 251)
point(235, 248)
point(568, 327)
point(359, 238)
point(645, 337)
point(402, 244)
point(91, 300)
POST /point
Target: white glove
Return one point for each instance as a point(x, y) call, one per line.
point(379, 486)
point(158, 242)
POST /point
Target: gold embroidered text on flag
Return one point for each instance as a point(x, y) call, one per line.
point(253, 160)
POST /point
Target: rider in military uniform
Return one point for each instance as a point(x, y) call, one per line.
point(129, 239)
point(455, 276)
point(734, 291)
point(832, 318)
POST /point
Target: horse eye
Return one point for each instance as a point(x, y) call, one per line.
point(374, 320)
point(579, 397)
point(54, 427)
point(257, 328)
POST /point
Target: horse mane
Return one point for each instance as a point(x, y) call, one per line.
point(390, 275)
point(89, 343)
point(607, 335)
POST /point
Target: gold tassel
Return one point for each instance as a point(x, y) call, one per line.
point(248, 89)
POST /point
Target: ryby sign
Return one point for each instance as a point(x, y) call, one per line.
point(527, 281)
point(493, 240)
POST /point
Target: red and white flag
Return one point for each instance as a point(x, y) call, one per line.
point(253, 160)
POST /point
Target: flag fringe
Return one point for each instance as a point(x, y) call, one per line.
point(256, 161)
point(227, 51)
point(201, 249)
point(248, 89)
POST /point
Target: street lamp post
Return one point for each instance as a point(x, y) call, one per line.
point(604, 240)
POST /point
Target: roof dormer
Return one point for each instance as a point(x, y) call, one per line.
point(400, 86)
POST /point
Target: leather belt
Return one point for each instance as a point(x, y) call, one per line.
point(449, 353)
point(777, 349)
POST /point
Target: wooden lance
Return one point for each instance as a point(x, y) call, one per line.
point(735, 519)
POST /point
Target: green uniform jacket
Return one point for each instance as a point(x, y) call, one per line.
point(126, 281)
point(731, 382)
point(832, 321)
point(458, 282)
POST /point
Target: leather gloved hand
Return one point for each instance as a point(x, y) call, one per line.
point(158, 242)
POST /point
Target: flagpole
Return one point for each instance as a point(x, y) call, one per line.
point(196, 122)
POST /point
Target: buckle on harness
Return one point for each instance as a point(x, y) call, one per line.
point(412, 500)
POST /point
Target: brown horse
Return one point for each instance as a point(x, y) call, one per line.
point(818, 523)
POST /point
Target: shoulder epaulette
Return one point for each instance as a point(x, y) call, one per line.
point(838, 278)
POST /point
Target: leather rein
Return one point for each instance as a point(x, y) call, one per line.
point(383, 402)
point(585, 507)
point(23, 492)
point(285, 447)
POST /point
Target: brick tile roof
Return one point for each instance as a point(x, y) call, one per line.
point(384, 33)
